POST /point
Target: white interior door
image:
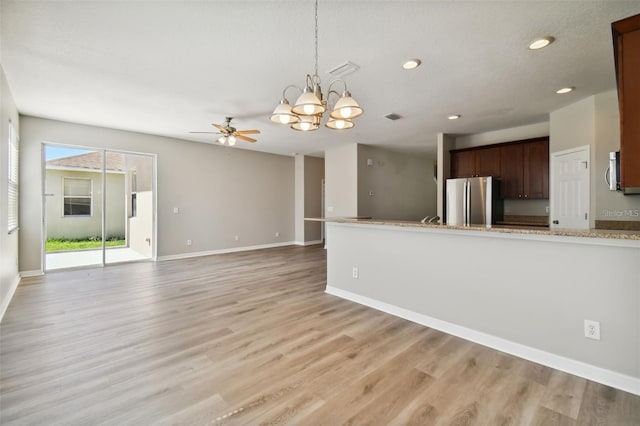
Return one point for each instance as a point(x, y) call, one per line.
point(570, 189)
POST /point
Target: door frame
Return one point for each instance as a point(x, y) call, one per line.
point(154, 200)
point(552, 178)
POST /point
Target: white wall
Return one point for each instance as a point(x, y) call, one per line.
point(221, 192)
point(341, 181)
point(9, 277)
point(141, 227)
point(483, 286)
point(403, 185)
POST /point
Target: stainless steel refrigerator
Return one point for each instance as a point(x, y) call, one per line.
point(473, 201)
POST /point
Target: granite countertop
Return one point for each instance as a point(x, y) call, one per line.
point(534, 230)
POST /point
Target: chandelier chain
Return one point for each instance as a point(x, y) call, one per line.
point(316, 40)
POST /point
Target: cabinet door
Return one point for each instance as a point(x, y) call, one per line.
point(536, 169)
point(629, 88)
point(488, 162)
point(511, 172)
point(463, 164)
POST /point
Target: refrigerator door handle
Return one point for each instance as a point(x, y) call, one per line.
point(467, 203)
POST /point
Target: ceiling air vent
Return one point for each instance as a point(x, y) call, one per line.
point(344, 69)
point(393, 116)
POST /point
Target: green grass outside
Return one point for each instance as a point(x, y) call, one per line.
point(69, 245)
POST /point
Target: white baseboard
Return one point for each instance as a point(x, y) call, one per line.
point(34, 273)
point(10, 293)
point(222, 251)
point(591, 372)
point(308, 243)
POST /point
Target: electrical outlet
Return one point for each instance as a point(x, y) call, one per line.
point(237, 237)
point(330, 209)
point(546, 209)
point(189, 242)
point(354, 272)
point(176, 210)
point(277, 234)
point(592, 329)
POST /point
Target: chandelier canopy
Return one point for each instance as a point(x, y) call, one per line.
point(306, 114)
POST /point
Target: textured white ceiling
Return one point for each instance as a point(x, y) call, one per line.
point(168, 68)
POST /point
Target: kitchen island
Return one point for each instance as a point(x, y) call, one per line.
point(522, 291)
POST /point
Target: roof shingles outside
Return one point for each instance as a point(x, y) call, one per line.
point(91, 160)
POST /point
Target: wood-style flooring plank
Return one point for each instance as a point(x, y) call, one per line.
point(251, 338)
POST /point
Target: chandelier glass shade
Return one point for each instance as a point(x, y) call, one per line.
point(307, 113)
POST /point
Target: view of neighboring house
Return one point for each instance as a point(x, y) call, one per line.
point(76, 196)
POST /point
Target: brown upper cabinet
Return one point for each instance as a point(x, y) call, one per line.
point(476, 162)
point(626, 48)
point(525, 169)
point(522, 166)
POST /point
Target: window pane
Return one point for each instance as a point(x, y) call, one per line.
point(76, 187)
point(77, 206)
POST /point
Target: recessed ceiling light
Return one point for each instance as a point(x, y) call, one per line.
point(454, 117)
point(411, 64)
point(541, 42)
point(565, 90)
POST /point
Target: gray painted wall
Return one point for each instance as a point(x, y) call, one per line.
point(313, 175)
point(402, 185)
point(299, 198)
point(221, 192)
point(309, 172)
point(531, 291)
point(8, 242)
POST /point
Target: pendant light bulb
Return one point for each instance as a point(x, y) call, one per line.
point(221, 140)
point(232, 140)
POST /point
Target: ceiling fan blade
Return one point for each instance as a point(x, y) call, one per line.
point(219, 127)
point(215, 133)
point(247, 132)
point(245, 138)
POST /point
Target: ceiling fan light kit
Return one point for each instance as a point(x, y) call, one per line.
point(230, 134)
point(307, 112)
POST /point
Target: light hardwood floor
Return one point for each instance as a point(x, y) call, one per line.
point(251, 338)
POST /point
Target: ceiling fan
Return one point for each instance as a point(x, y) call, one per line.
point(230, 133)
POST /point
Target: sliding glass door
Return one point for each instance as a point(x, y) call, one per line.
point(98, 205)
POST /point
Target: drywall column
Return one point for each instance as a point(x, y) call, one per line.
point(341, 181)
point(309, 172)
point(313, 176)
point(445, 144)
point(299, 198)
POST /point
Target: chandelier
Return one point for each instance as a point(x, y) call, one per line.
point(307, 112)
